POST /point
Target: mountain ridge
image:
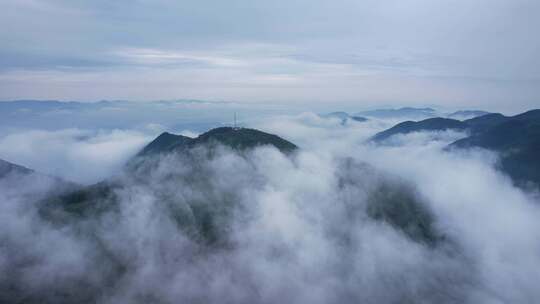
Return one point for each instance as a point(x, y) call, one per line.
point(516, 139)
point(7, 168)
point(399, 113)
point(235, 138)
point(430, 124)
point(344, 117)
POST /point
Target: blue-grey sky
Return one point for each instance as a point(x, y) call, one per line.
point(464, 53)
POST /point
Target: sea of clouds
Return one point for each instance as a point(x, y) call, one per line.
point(297, 232)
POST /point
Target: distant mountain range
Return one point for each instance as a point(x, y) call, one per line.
point(406, 112)
point(515, 138)
point(466, 114)
point(177, 115)
point(411, 113)
point(344, 117)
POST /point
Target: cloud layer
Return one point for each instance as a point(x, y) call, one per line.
point(295, 228)
point(76, 155)
point(368, 52)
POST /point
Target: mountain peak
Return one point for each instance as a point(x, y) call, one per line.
point(235, 138)
point(164, 142)
point(405, 112)
point(244, 138)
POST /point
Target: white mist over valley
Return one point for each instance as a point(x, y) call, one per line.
point(322, 212)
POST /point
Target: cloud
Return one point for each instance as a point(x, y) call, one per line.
point(156, 57)
point(357, 52)
point(77, 155)
point(287, 228)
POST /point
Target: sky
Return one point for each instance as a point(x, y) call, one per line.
point(461, 53)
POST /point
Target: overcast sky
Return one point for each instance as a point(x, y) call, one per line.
point(456, 53)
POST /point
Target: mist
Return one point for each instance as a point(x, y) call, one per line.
point(78, 155)
point(291, 228)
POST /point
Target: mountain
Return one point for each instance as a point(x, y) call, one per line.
point(235, 138)
point(7, 168)
point(205, 221)
point(474, 125)
point(410, 113)
point(243, 138)
point(36, 105)
point(30, 184)
point(102, 197)
point(391, 200)
point(431, 124)
point(358, 118)
point(517, 141)
point(344, 117)
point(205, 202)
point(193, 202)
point(482, 123)
point(466, 114)
point(193, 115)
point(407, 113)
point(164, 143)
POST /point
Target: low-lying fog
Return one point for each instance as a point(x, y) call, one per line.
point(303, 235)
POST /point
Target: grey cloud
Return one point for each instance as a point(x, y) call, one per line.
point(364, 52)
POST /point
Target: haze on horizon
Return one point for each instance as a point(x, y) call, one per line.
point(468, 54)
